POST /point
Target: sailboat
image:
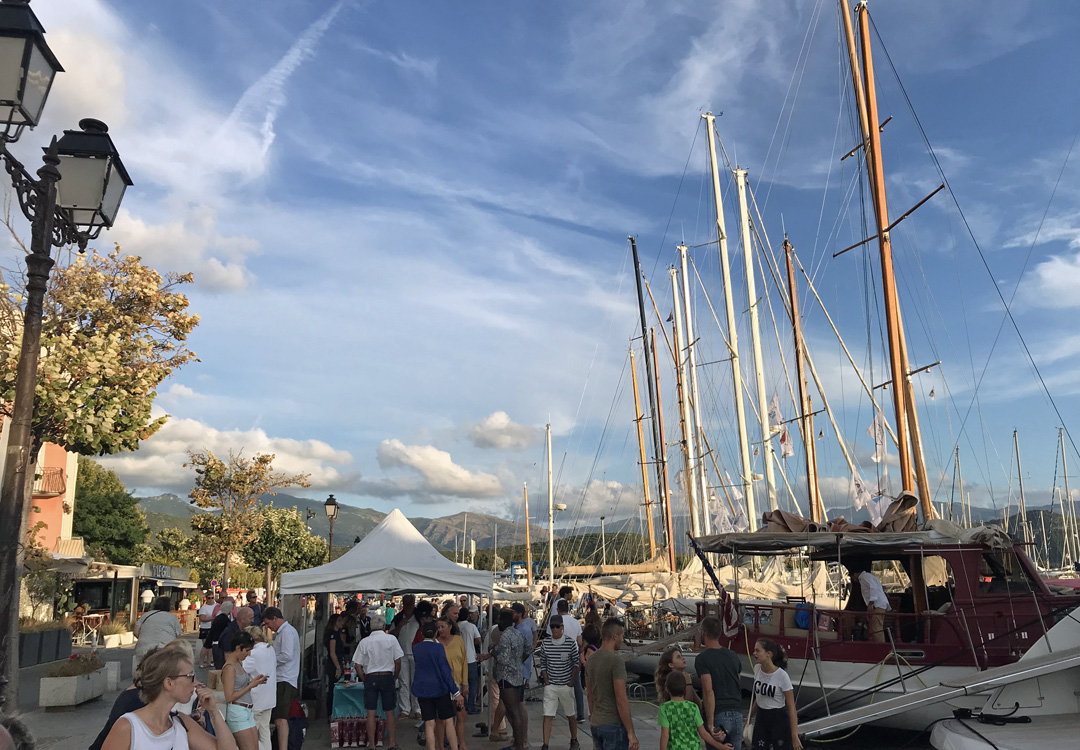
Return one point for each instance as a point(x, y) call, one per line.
point(965, 599)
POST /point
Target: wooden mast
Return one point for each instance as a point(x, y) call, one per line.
point(528, 539)
point(666, 501)
point(805, 417)
point(639, 418)
point(650, 365)
point(1067, 511)
point(897, 361)
point(690, 484)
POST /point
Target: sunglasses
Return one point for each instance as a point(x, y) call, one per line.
point(555, 626)
point(190, 676)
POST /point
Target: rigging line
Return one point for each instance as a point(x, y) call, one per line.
point(675, 202)
point(800, 65)
point(982, 257)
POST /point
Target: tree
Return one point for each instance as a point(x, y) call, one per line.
point(285, 543)
point(107, 516)
point(236, 489)
point(113, 330)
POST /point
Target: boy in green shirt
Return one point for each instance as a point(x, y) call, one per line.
point(680, 721)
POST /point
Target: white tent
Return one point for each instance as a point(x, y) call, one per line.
point(394, 559)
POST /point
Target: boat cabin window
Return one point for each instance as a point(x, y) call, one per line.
point(1002, 573)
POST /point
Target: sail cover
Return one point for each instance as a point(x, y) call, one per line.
point(394, 559)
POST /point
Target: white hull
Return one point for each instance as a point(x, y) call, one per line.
point(844, 679)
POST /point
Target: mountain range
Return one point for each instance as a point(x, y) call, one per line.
point(173, 511)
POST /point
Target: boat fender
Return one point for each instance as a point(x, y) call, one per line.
point(660, 592)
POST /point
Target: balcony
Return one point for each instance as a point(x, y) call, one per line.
point(50, 481)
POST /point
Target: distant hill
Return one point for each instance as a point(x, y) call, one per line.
point(164, 511)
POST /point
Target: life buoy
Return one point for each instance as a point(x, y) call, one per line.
point(660, 592)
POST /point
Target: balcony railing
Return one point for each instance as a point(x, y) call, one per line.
point(50, 482)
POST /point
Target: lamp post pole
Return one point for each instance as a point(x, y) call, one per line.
point(331, 506)
point(603, 543)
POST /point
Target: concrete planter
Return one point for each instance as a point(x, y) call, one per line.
point(71, 691)
point(29, 648)
point(127, 638)
point(111, 641)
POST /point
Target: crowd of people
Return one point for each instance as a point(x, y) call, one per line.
point(422, 660)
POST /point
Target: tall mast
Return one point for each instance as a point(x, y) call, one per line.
point(695, 398)
point(897, 362)
point(528, 538)
point(755, 334)
point(733, 335)
point(639, 418)
point(1025, 527)
point(689, 454)
point(669, 532)
point(965, 513)
point(805, 417)
point(551, 517)
point(650, 367)
point(1067, 514)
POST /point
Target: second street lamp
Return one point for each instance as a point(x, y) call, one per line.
point(27, 69)
point(331, 506)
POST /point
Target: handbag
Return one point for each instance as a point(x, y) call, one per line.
point(748, 733)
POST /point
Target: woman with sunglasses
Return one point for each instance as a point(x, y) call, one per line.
point(167, 677)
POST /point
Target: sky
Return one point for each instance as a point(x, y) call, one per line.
point(408, 228)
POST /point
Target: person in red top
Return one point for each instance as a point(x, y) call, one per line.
point(424, 613)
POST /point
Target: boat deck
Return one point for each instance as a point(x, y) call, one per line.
point(1043, 732)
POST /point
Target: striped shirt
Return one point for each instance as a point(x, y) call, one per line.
point(559, 657)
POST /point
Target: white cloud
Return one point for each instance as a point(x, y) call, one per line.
point(426, 68)
point(498, 431)
point(159, 462)
point(440, 475)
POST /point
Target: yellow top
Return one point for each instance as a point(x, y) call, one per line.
point(455, 654)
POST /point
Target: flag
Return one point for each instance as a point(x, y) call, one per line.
point(671, 316)
point(876, 430)
point(786, 448)
point(774, 412)
point(931, 394)
point(877, 509)
point(859, 493)
point(820, 434)
point(720, 515)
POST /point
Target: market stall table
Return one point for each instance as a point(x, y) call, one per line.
point(348, 722)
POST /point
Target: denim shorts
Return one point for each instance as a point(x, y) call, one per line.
point(732, 723)
point(610, 737)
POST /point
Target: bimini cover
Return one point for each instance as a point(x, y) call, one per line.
point(394, 559)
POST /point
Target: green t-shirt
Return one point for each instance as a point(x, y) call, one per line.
point(682, 719)
point(723, 665)
point(601, 671)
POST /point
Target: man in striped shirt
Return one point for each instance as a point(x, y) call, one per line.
point(559, 671)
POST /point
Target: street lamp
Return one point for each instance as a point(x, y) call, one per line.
point(603, 543)
point(88, 166)
point(331, 506)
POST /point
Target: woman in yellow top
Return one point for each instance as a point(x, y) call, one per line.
point(454, 644)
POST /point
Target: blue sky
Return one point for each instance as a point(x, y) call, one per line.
point(408, 226)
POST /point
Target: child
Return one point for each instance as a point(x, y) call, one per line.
point(680, 720)
point(673, 660)
point(777, 724)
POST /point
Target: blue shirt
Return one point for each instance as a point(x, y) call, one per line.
point(432, 677)
point(527, 628)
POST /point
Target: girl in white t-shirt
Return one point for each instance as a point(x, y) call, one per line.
point(776, 725)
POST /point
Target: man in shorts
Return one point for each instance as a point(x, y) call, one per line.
point(378, 664)
point(559, 670)
point(287, 654)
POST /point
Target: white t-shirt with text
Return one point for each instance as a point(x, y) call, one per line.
point(769, 689)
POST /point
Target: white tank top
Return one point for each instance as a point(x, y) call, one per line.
point(142, 738)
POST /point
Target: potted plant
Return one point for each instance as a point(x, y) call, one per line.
point(75, 680)
point(112, 633)
point(42, 642)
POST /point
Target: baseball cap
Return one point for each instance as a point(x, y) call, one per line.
point(519, 608)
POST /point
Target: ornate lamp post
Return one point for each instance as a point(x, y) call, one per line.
point(76, 193)
point(331, 506)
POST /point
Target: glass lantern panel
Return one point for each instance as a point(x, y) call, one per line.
point(39, 77)
point(82, 182)
point(84, 217)
point(114, 193)
point(11, 63)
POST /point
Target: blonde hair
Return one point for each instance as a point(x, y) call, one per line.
point(157, 666)
point(182, 645)
point(256, 632)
